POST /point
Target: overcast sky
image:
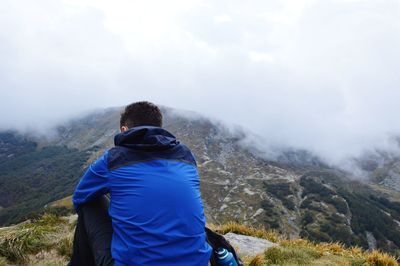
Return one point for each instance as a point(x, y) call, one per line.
point(323, 75)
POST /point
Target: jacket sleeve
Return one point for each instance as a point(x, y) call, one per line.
point(93, 183)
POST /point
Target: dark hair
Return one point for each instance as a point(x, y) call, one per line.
point(141, 114)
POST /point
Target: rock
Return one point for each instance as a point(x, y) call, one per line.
point(248, 245)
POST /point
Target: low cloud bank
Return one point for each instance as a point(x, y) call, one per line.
point(318, 75)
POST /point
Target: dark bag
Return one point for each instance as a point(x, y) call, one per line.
point(216, 240)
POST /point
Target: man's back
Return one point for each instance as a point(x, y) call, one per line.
point(156, 207)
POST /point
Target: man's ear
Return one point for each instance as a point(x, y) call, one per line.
point(124, 128)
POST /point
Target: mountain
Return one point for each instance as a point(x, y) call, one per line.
point(382, 166)
point(292, 192)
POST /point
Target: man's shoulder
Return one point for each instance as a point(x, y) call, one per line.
point(120, 156)
point(184, 154)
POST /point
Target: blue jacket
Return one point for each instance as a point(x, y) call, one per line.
point(156, 207)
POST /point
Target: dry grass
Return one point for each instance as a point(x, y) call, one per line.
point(304, 252)
point(47, 258)
point(64, 246)
point(15, 245)
point(376, 258)
point(48, 241)
point(246, 230)
point(20, 241)
point(257, 261)
point(3, 261)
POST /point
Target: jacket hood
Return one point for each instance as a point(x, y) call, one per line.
point(147, 138)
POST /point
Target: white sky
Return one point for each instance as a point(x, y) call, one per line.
point(319, 74)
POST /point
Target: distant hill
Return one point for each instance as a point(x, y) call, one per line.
point(294, 192)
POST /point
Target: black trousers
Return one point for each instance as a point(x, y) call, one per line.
point(93, 234)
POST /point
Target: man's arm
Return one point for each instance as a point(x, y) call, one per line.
point(93, 183)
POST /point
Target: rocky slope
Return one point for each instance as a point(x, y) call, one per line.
point(382, 166)
point(294, 193)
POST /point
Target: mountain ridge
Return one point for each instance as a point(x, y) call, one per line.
point(294, 193)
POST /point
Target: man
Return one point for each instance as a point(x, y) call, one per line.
point(155, 205)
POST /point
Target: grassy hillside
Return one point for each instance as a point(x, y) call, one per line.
point(27, 178)
point(47, 240)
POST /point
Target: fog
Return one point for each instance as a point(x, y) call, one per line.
point(320, 75)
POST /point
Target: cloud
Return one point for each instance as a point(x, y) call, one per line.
point(56, 61)
point(321, 75)
point(222, 18)
point(260, 57)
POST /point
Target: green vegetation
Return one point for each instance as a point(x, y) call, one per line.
point(367, 216)
point(283, 190)
point(13, 144)
point(290, 255)
point(36, 177)
point(324, 194)
point(325, 213)
point(271, 219)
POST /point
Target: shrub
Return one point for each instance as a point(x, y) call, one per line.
point(282, 190)
point(308, 218)
point(337, 219)
point(318, 236)
point(338, 203)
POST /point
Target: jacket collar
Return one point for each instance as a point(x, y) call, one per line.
point(146, 138)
